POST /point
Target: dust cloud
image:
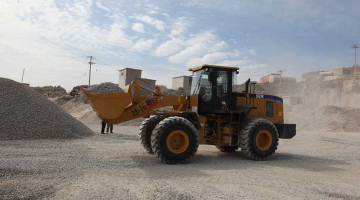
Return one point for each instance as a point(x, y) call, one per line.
point(321, 104)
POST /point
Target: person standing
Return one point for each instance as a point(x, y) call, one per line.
point(103, 124)
point(109, 126)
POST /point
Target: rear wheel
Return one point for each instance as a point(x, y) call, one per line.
point(259, 139)
point(175, 140)
point(227, 149)
point(146, 128)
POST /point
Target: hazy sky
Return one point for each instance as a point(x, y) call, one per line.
point(52, 39)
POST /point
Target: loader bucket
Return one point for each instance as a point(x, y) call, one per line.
point(108, 106)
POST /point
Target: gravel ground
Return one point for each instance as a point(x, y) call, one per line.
point(106, 87)
point(313, 165)
point(26, 114)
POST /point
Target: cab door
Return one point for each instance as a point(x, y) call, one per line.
point(206, 100)
point(222, 90)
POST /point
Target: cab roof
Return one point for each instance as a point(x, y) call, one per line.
point(212, 66)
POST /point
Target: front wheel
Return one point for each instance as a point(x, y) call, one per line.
point(259, 139)
point(175, 140)
point(146, 128)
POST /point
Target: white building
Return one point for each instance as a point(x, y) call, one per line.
point(181, 81)
point(127, 75)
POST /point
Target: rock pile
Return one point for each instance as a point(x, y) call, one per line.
point(335, 118)
point(51, 91)
point(324, 118)
point(106, 88)
point(26, 114)
point(180, 91)
point(62, 100)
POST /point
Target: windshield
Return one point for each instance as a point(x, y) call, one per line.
point(195, 81)
point(200, 84)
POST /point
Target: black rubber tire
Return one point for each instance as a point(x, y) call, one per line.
point(159, 136)
point(248, 137)
point(228, 149)
point(146, 129)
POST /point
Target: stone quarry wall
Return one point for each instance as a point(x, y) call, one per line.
point(342, 92)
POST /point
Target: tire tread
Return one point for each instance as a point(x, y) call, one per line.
point(246, 142)
point(160, 130)
point(146, 129)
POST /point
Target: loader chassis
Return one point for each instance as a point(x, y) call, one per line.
point(213, 114)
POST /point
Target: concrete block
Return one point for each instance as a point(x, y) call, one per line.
point(340, 71)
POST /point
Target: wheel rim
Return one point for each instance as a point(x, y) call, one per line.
point(177, 141)
point(263, 140)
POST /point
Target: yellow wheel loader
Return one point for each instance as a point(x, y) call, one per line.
point(214, 114)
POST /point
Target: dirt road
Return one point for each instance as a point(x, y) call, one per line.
point(313, 165)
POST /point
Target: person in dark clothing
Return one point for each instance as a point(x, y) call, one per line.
point(109, 126)
point(103, 124)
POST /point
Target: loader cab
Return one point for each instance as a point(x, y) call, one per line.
point(214, 86)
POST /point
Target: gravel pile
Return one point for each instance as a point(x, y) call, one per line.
point(338, 119)
point(106, 88)
point(324, 118)
point(51, 91)
point(26, 114)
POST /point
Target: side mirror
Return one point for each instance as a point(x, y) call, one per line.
point(237, 72)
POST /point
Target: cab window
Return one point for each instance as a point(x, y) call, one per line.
point(269, 108)
point(221, 84)
point(205, 88)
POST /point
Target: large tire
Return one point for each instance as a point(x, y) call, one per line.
point(146, 128)
point(228, 149)
point(175, 140)
point(259, 139)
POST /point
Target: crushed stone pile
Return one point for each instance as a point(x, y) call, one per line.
point(180, 91)
point(60, 101)
point(63, 99)
point(106, 88)
point(335, 118)
point(171, 92)
point(324, 118)
point(51, 91)
point(76, 91)
point(26, 114)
